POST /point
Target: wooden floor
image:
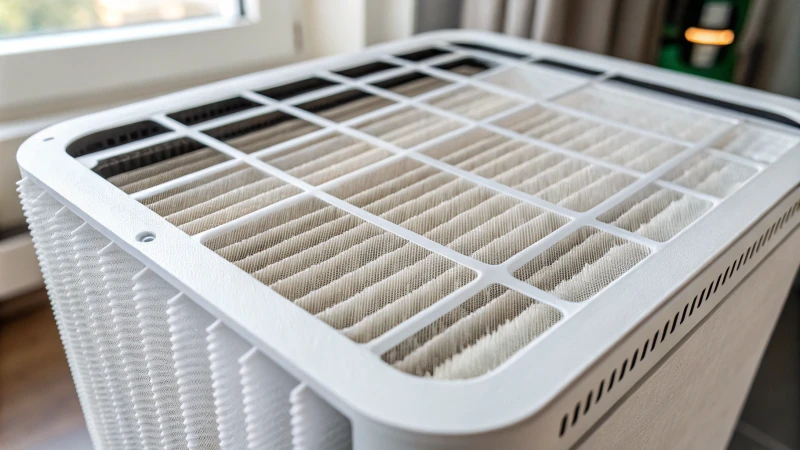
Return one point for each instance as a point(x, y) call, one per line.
point(39, 407)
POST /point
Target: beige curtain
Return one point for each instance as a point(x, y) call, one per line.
point(628, 29)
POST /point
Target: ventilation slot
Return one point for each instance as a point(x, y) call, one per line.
point(408, 127)
point(412, 84)
point(473, 102)
point(315, 425)
point(568, 67)
point(581, 265)
point(366, 69)
point(710, 174)
point(552, 177)
point(327, 158)
point(351, 274)
point(653, 115)
point(345, 105)
point(420, 55)
point(476, 337)
point(592, 138)
point(486, 48)
point(262, 131)
point(533, 83)
point(472, 220)
point(265, 390)
point(296, 88)
point(211, 111)
point(466, 66)
point(103, 140)
point(756, 143)
point(218, 198)
point(656, 213)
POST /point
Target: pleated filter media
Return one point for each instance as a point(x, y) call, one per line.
point(412, 247)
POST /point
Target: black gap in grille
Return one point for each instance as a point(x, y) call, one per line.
point(366, 69)
point(116, 165)
point(114, 137)
point(486, 48)
point(204, 113)
point(567, 66)
point(332, 101)
point(749, 110)
point(400, 80)
point(296, 88)
point(419, 55)
point(236, 129)
point(472, 64)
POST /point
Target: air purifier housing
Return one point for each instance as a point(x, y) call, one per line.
point(460, 240)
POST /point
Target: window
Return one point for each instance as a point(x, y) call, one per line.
point(20, 18)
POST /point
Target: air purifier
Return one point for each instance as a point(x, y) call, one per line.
point(460, 240)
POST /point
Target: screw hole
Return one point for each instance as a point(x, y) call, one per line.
point(146, 236)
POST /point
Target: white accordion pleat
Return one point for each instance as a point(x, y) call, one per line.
point(266, 388)
point(187, 324)
point(225, 348)
point(151, 295)
point(315, 424)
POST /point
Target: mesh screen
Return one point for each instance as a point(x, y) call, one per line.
point(710, 174)
point(592, 138)
point(656, 213)
point(468, 218)
point(582, 264)
point(351, 274)
point(475, 337)
point(327, 158)
point(473, 102)
point(408, 127)
point(219, 198)
point(564, 181)
point(645, 113)
point(756, 143)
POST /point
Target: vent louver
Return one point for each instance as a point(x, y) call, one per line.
point(351, 254)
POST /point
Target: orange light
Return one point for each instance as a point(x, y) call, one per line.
point(708, 37)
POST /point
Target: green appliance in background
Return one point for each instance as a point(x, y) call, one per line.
point(700, 36)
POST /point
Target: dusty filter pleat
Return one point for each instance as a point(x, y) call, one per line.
point(654, 115)
point(219, 198)
point(656, 213)
point(470, 219)
point(710, 174)
point(265, 390)
point(339, 267)
point(225, 348)
point(261, 132)
point(591, 138)
point(473, 102)
point(167, 170)
point(325, 159)
point(187, 324)
point(582, 264)
point(567, 182)
point(412, 84)
point(534, 83)
point(408, 127)
point(475, 337)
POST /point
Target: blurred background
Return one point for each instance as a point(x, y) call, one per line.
point(65, 58)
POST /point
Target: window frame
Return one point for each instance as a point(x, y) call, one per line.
point(39, 70)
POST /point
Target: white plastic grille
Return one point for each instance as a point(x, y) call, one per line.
point(387, 198)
